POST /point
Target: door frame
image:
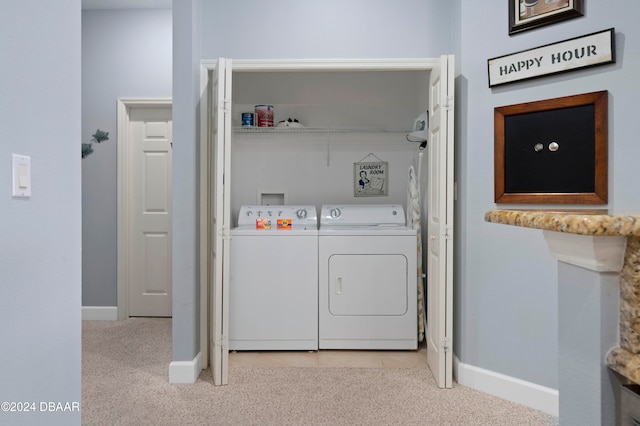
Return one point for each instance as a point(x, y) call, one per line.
point(267, 65)
point(124, 164)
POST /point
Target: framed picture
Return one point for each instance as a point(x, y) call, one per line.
point(529, 14)
point(370, 179)
point(577, 53)
point(552, 151)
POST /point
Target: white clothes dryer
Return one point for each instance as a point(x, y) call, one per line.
point(273, 282)
point(368, 281)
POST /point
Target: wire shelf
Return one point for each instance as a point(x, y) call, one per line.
point(314, 130)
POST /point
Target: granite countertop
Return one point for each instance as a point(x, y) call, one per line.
point(582, 222)
point(625, 363)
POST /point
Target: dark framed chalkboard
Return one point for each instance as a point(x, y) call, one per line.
point(552, 151)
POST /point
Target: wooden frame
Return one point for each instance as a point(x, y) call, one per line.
point(541, 13)
point(535, 145)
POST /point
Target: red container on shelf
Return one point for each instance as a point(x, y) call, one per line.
point(264, 115)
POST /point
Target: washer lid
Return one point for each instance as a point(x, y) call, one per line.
point(362, 215)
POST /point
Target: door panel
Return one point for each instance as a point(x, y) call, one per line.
point(151, 174)
point(440, 223)
point(220, 220)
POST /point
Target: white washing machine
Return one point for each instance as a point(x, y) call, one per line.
point(273, 281)
point(367, 278)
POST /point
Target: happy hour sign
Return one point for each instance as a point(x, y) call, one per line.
point(580, 52)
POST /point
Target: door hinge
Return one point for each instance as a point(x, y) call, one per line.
point(224, 233)
point(449, 104)
point(226, 106)
point(446, 345)
point(447, 233)
point(223, 342)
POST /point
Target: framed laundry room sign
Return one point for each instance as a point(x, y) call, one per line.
point(581, 52)
point(370, 179)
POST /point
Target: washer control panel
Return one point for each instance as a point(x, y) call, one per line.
point(275, 216)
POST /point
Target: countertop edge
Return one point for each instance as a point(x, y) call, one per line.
point(581, 222)
point(625, 363)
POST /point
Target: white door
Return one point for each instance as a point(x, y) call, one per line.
point(220, 213)
point(440, 223)
point(150, 200)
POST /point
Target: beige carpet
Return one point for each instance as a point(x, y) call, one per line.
point(125, 382)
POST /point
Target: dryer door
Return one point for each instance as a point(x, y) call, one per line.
point(368, 284)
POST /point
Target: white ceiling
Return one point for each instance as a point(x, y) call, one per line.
point(126, 4)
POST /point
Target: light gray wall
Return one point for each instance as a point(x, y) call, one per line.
point(40, 253)
point(186, 172)
point(256, 29)
point(506, 315)
point(125, 53)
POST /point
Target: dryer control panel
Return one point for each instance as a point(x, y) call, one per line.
point(362, 215)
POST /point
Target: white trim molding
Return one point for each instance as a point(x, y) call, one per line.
point(265, 65)
point(506, 387)
point(100, 313)
point(185, 372)
point(371, 64)
point(594, 252)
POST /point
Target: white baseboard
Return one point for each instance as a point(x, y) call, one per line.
point(100, 313)
point(506, 387)
point(185, 371)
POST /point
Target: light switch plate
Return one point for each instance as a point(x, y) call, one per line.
point(21, 167)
